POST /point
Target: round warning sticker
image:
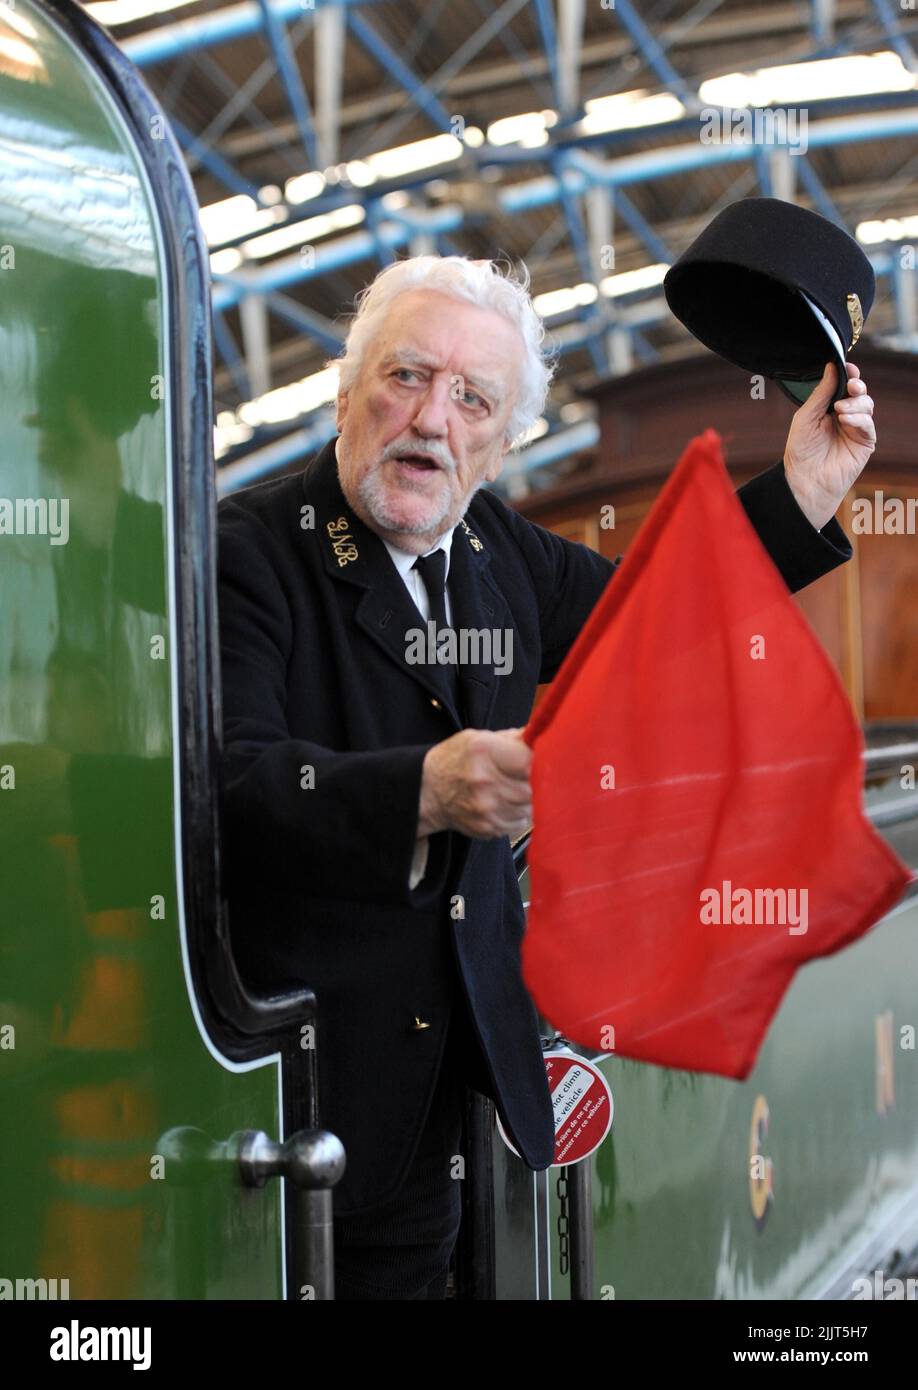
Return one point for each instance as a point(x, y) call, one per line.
point(582, 1102)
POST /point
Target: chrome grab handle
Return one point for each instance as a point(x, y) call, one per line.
point(312, 1161)
point(312, 1158)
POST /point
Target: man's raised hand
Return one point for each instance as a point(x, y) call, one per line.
point(826, 453)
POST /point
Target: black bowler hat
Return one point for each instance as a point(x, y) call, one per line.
point(775, 289)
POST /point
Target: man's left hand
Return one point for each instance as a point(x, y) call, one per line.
point(826, 453)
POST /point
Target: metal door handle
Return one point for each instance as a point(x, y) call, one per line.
point(312, 1161)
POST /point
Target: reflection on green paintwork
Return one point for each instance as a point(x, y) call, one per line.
point(100, 1055)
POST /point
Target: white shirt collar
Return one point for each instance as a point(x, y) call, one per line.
point(404, 559)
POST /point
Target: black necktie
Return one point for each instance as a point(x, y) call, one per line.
point(432, 569)
point(433, 573)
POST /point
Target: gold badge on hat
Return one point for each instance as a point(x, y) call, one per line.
point(856, 315)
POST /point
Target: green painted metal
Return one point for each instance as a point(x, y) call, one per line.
point(673, 1206)
point(101, 1056)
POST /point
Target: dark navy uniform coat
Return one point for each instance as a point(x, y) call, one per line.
point(313, 619)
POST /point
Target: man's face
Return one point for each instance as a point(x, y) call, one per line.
point(437, 385)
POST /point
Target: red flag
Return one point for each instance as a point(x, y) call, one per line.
point(699, 830)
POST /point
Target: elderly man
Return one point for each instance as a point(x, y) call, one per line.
point(370, 797)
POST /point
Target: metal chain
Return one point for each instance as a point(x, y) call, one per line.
point(564, 1224)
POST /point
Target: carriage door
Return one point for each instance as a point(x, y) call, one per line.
point(140, 1086)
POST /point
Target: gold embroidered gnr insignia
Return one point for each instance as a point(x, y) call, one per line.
point(342, 541)
point(474, 542)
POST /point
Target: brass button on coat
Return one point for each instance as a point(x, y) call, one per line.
point(419, 1025)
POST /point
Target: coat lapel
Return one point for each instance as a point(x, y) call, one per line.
point(355, 555)
point(477, 605)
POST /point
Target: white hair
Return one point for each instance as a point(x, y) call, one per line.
point(477, 282)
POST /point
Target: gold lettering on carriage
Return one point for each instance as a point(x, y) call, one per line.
point(342, 544)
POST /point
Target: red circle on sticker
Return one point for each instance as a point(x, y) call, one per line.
point(581, 1099)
